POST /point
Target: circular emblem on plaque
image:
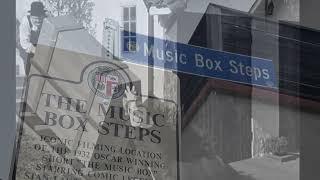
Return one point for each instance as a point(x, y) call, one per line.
point(107, 82)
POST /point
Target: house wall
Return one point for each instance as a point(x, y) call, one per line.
point(310, 13)
point(287, 10)
point(223, 120)
point(265, 116)
point(267, 119)
point(310, 131)
point(310, 147)
point(284, 10)
point(194, 12)
point(275, 119)
point(265, 124)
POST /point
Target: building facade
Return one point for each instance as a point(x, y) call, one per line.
point(238, 132)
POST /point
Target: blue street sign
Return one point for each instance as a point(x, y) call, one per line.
point(200, 61)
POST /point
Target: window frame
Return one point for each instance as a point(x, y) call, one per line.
point(130, 35)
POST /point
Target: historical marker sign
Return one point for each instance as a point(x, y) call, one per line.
point(87, 120)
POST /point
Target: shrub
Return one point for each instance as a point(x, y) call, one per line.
point(276, 145)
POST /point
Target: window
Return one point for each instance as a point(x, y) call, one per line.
point(129, 25)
